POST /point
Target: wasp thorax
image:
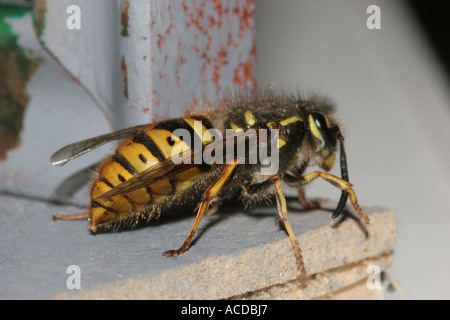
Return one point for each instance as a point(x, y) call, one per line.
point(323, 133)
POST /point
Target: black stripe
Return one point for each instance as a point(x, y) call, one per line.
point(174, 124)
point(143, 159)
point(95, 204)
point(145, 140)
point(149, 191)
point(102, 178)
point(117, 157)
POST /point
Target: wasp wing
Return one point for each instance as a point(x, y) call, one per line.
point(157, 172)
point(71, 151)
point(168, 168)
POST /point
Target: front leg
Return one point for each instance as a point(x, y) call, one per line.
point(340, 183)
point(256, 191)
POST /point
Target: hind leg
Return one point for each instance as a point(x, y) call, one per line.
point(74, 216)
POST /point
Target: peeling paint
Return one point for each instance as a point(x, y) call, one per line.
point(200, 49)
point(124, 17)
point(16, 68)
point(123, 69)
point(39, 11)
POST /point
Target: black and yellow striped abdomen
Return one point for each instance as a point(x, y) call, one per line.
point(137, 154)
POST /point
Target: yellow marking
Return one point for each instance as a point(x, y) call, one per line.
point(328, 122)
point(200, 130)
point(139, 198)
point(329, 162)
point(271, 124)
point(111, 171)
point(281, 143)
point(325, 152)
point(314, 129)
point(290, 120)
point(163, 187)
point(235, 127)
point(188, 174)
point(249, 118)
point(207, 137)
point(131, 153)
point(99, 188)
point(159, 137)
point(99, 216)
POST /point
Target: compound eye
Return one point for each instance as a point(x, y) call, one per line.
point(321, 130)
point(320, 122)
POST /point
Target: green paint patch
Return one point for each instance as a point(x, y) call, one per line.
point(16, 69)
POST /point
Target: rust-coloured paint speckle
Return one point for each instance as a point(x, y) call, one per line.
point(208, 39)
point(123, 68)
point(245, 15)
point(162, 37)
point(124, 17)
point(220, 61)
point(244, 73)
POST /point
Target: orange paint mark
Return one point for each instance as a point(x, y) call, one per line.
point(219, 61)
point(212, 22)
point(244, 74)
point(162, 37)
point(123, 68)
point(246, 16)
point(161, 40)
point(231, 42)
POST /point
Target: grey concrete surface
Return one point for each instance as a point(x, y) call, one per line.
point(234, 253)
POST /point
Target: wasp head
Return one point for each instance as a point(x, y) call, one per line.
point(324, 134)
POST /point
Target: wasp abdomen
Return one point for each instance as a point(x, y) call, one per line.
point(149, 147)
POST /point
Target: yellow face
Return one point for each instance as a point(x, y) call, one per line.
point(323, 131)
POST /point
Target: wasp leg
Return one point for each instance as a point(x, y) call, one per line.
point(341, 184)
point(74, 216)
point(305, 203)
point(282, 212)
point(293, 180)
point(209, 194)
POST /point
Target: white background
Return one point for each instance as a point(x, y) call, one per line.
point(394, 102)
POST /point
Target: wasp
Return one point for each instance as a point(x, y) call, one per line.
point(162, 166)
